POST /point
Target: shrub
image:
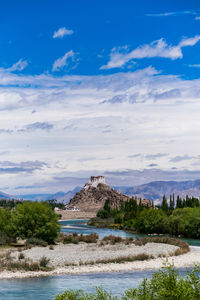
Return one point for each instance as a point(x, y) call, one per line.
point(103, 214)
point(75, 238)
point(112, 239)
point(89, 238)
point(21, 255)
point(167, 284)
point(80, 295)
point(4, 238)
point(67, 239)
point(36, 242)
point(44, 261)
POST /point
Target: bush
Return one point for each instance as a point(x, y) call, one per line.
point(44, 261)
point(75, 238)
point(103, 214)
point(112, 239)
point(4, 238)
point(89, 238)
point(80, 295)
point(35, 242)
point(168, 284)
point(21, 256)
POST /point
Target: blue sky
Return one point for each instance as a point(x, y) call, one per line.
point(27, 29)
point(98, 87)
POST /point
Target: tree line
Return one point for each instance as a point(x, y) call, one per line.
point(181, 217)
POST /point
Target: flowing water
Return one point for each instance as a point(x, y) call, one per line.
point(81, 227)
point(45, 288)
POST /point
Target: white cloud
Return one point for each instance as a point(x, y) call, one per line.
point(173, 13)
point(197, 18)
point(63, 61)
point(145, 112)
point(195, 66)
point(19, 66)
point(157, 48)
point(60, 33)
point(189, 41)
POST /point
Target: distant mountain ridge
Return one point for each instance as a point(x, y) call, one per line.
point(59, 196)
point(156, 189)
point(6, 196)
point(153, 191)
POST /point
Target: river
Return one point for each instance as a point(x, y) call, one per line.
point(45, 288)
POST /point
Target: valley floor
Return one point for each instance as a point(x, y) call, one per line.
point(84, 258)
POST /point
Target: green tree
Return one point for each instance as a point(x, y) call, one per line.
point(34, 219)
point(151, 221)
point(164, 205)
point(171, 203)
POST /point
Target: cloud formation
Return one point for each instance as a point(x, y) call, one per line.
point(8, 167)
point(61, 32)
point(159, 48)
point(39, 125)
point(63, 61)
point(18, 66)
point(180, 158)
point(151, 116)
point(173, 13)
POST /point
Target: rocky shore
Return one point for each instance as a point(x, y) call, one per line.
point(83, 258)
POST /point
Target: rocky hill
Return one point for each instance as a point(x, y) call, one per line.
point(92, 198)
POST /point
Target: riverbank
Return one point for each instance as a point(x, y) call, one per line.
point(75, 215)
point(83, 258)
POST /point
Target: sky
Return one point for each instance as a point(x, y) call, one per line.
point(98, 88)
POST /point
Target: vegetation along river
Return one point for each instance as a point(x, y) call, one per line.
point(45, 288)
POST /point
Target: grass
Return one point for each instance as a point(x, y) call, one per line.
point(22, 264)
point(75, 238)
point(36, 242)
point(121, 259)
point(112, 239)
point(183, 247)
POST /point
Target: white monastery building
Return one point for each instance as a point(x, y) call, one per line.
point(94, 181)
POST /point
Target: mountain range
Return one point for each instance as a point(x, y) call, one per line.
point(152, 191)
point(59, 196)
point(156, 189)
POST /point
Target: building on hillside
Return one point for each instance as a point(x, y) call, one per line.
point(94, 181)
point(72, 208)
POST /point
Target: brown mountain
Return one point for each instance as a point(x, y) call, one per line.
point(92, 198)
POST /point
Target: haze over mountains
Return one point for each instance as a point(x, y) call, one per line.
point(156, 189)
point(152, 191)
point(59, 196)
